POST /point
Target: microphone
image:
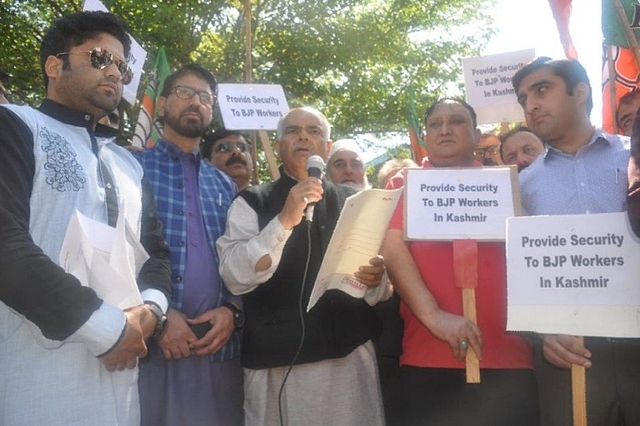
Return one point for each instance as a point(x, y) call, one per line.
point(315, 168)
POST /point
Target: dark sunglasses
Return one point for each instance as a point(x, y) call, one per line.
point(100, 58)
point(228, 146)
point(186, 93)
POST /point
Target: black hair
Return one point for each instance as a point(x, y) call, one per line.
point(195, 69)
point(210, 140)
point(569, 70)
point(4, 76)
point(75, 29)
point(628, 97)
point(433, 106)
point(504, 137)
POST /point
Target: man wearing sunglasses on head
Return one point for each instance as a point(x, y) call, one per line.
point(193, 375)
point(67, 355)
point(229, 151)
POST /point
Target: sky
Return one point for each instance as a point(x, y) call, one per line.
point(529, 24)
point(526, 24)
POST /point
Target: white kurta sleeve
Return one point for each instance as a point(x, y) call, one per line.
point(243, 244)
point(381, 293)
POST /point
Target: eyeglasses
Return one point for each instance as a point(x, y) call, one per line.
point(186, 93)
point(100, 58)
point(491, 150)
point(228, 146)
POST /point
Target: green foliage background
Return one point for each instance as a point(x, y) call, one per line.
point(355, 60)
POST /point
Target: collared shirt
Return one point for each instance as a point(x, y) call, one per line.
point(177, 178)
point(594, 180)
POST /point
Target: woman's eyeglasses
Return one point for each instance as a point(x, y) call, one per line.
point(100, 58)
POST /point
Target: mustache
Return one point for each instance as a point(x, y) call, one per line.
point(193, 108)
point(235, 159)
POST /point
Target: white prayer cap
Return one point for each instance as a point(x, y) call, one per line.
point(345, 145)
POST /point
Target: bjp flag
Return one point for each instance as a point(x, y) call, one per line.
point(418, 146)
point(147, 130)
point(618, 57)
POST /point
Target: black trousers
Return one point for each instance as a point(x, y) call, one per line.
point(613, 385)
point(441, 397)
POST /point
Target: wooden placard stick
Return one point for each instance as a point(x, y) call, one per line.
point(579, 392)
point(465, 268)
point(268, 152)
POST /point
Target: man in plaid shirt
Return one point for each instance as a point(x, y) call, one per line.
point(193, 374)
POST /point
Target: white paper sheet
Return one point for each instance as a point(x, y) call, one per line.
point(104, 258)
point(356, 239)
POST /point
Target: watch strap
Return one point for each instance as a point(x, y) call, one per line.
point(157, 311)
point(236, 312)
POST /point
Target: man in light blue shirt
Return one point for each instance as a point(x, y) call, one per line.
point(583, 171)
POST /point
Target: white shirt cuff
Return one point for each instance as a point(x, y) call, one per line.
point(157, 297)
point(102, 330)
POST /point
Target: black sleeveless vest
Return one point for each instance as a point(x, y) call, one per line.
point(336, 325)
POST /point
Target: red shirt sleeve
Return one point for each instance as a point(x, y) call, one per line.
point(397, 220)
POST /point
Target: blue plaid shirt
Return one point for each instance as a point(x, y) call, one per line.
point(163, 170)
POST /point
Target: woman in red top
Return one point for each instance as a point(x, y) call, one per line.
point(433, 367)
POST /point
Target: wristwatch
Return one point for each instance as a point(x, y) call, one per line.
point(238, 315)
point(160, 315)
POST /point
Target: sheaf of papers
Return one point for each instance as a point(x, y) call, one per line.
point(104, 258)
point(356, 239)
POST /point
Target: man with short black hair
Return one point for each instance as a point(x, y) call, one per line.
point(193, 375)
point(627, 107)
point(230, 152)
point(61, 342)
point(583, 171)
point(488, 150)
point(4, 93)
point(520, 147)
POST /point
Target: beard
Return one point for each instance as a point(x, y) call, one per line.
point(187, 127)
point(107, 104)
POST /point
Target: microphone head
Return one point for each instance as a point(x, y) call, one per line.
point(315, 166)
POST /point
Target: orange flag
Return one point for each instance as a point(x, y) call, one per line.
point(561, 10)
point(147, 130)
point(627, 74)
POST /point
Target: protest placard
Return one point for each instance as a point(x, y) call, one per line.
point(460, 203)
point(251, 106)
point(573, 274)
point(488, 85)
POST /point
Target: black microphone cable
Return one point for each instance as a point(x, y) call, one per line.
point(301, 313)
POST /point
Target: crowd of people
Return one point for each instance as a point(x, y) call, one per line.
point(220, 334)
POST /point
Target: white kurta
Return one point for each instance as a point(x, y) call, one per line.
point(47, 382)
point(342, 391)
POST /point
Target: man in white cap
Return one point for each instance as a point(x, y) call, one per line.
point(346, 166)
